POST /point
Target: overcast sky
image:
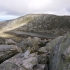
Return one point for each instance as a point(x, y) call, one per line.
point(10, 9)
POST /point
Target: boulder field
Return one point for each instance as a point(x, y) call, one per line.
point(34, 53)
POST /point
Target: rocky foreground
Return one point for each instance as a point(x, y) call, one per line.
point(34, 53)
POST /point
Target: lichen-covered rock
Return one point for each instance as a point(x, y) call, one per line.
point(42, 59)
point(29, 62)
point(24, 44)
point(60, 55)
point(49, 46)
point(34, 49)
point(7, 51)
point(29, 43)
point(10, 42)
point(21, 62)
point(32, 44)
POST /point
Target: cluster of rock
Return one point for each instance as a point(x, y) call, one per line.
point(35, 54)
point(26, 54)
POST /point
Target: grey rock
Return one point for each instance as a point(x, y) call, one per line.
point(26, 54)
point(10, 42)
point(43, 59)
point(29, 62)
point(43, 42)
point(7, 51)
point(46, 67)
point(24, 44)
point(42, 50)
point(49, 46)
point(60, 55)
point(39, 67)
point(36, 39)
point(21, 62)
point(9, 66)
point(14, 63)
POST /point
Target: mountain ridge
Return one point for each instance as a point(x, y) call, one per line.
point(46, 23)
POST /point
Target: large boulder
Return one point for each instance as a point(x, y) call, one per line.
point(25, 61)
point(60, 54)
point(49, 46)
point(20, 62)
point(7, 51)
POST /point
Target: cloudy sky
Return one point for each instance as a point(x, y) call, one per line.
point(10, 9)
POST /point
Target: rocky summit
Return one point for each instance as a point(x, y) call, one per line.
point(35, 42)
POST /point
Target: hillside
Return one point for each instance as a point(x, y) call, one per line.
point(38, 23)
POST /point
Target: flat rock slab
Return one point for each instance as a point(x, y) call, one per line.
point(9, 66)
point(19, 62)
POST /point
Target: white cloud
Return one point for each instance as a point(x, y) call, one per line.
point(60, 12)
point(21, 7)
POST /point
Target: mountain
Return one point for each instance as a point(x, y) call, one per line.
point(18, 52)
point(47, 23)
